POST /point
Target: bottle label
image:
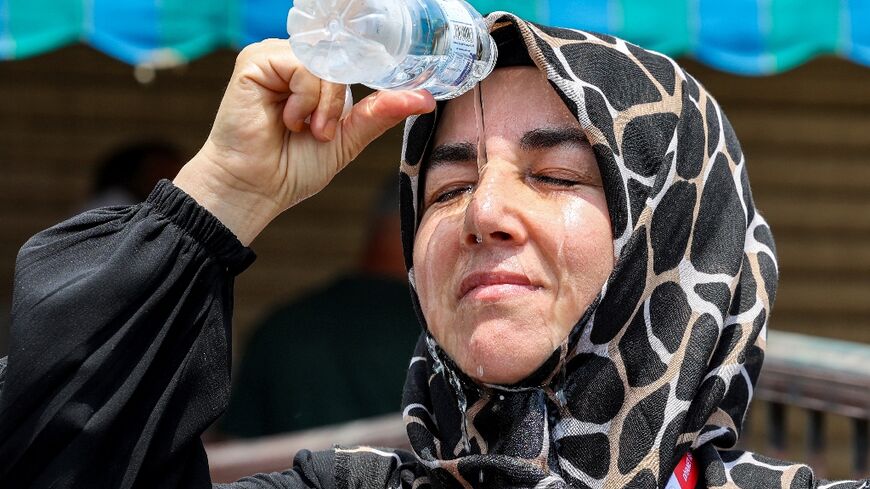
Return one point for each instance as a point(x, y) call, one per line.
point(463, 41)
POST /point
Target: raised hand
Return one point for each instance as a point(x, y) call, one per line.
point(262, 158)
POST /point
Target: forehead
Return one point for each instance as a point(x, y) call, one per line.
point(515, 100)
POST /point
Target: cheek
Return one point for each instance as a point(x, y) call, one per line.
point(584, 250)
point(421, 259)
point(436, 251)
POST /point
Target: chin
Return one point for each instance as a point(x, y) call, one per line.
point(502, 352)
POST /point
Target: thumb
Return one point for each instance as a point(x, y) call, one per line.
point(376, 113)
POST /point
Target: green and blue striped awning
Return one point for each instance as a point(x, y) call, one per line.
point(752, 37)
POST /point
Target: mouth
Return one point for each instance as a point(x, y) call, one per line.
point(489, 286)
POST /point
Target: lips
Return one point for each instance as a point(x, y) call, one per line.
point(496, 283)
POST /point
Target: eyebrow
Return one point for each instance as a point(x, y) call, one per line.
point(452, 153)
point(535, 139)
point(550, 137)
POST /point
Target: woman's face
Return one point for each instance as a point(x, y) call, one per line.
point(512, 249)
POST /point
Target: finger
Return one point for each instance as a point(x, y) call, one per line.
point(373, 115)
point(324, 120)
point(269, 63)
point(304, 97)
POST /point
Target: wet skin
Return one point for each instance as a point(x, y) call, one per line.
point(512, 249)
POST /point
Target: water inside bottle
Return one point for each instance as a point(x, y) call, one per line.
point(386, 44)
point(345, 40)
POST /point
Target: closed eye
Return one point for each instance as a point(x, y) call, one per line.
point(561, 182)
point(451, 193)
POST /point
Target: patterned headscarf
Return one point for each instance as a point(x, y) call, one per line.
point(665, 360)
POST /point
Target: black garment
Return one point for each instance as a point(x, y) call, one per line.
point(119, 356)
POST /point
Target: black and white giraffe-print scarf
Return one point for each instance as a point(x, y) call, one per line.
point(665, 360)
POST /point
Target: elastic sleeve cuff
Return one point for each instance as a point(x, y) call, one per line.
point(180, 209)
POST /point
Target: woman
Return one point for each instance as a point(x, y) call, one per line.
point(593, 281)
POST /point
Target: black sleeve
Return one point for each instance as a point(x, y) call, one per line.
point(120, 352)
point(310, 470)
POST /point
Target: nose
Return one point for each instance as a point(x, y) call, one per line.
point(494, 215)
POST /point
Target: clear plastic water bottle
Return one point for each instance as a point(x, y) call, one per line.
point(440, 45)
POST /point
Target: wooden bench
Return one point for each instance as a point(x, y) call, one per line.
point(822, 376)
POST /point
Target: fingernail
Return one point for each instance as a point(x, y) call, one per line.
point(329, 128)
point(297, 126)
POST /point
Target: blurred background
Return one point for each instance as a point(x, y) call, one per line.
point(88, 86)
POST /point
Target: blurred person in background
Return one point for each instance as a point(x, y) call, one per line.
point(128, 173)
point(364, 319)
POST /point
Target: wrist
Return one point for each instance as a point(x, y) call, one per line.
point(243, 211)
